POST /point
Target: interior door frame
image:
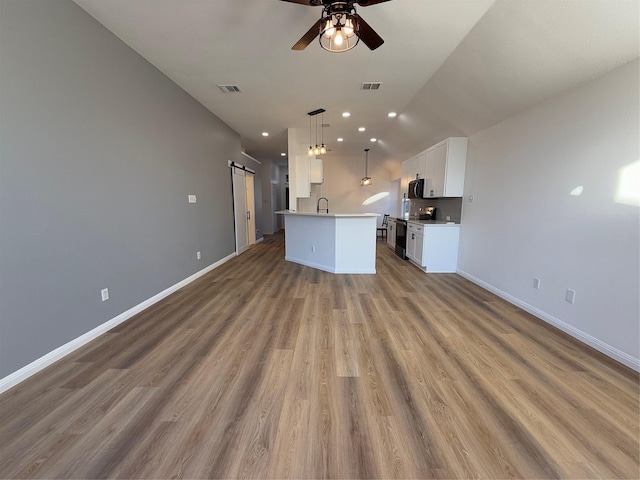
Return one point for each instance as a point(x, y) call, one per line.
point(242, 211)
point(238, 178)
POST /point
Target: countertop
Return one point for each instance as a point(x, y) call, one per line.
point(433, 222)
point(314, 214)
point(430, 222)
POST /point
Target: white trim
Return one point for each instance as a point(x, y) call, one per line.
point(578, 334)
point(260, 240)
point(250, 157)
point(34, 367)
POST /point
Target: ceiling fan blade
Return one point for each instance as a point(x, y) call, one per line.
point(308, 37)
point(367, 34)
point(366, 3)
point(309, 3)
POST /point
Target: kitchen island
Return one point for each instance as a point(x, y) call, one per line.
point(333, 242)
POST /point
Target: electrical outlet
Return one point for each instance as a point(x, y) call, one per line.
point(570, 296)
point(313, 248)
point(198, 255)
point(192, 199)
point(105, 294)
point(447, 218)
point(536, 283)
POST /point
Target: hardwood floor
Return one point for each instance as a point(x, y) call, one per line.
point(268, 369)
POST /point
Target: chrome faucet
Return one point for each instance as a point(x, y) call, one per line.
point(318, 207)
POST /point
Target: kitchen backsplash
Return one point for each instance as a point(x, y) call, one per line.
point(451, 207)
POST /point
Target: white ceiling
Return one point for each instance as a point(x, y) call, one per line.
point(448, 67)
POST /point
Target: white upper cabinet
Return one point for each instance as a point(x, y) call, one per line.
point(303, 184)
point(441, 166)
point(316, 172)
point(445, 165)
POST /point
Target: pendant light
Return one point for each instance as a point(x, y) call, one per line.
point(318, 150)
point(323, 148)
point(310, 151)
point(366, 180)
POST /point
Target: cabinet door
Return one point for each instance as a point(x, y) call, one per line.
point(455, 167)
point(421, 164)
point(404, 179)
point(316, 172)
point(411, 241)
point(391, 233)
point(439, 167)
point(419, 249)
point(429, 172)
point(303, 186)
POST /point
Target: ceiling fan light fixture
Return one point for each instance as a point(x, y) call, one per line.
point(338, 28)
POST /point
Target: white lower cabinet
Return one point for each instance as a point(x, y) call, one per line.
point(413, 230)
point(391, 233)
point(433, 248)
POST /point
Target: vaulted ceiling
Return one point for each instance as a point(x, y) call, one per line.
point(447, 67)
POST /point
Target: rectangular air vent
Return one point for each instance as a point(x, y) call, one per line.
point(325, 125)
point(229, 89)
point(371, 86)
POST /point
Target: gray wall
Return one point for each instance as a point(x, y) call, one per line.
point(98, 152)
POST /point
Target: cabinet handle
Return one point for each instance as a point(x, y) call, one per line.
point(249, 215)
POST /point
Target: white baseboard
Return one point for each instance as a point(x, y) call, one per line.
point(260, 240)
point(326, 268)
point(576, 333)
point(34, 367)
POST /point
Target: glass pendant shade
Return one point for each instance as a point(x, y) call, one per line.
point(366, 180)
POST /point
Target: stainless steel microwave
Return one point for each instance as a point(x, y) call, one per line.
point(416, 188)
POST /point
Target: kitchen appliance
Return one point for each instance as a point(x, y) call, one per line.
point(416, 188)
point(427, 213)
point(401, 238)
point(406, 206)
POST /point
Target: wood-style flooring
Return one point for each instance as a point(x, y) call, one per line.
point(268, 369)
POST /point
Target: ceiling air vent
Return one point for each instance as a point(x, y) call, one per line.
point(371, 86)
point(229, 89)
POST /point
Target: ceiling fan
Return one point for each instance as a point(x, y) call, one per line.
point(340, 28)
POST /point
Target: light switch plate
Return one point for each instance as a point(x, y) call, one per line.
point(104, 293)
point(192, 199)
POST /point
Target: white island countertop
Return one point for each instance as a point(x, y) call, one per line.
point(314, 214)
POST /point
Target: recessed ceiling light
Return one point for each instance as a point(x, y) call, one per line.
point(374, 139)
point(346, 114)
point(265, 134)
point(341, 139)
point(283, 154)
point(392, 114)
point(361, 129)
